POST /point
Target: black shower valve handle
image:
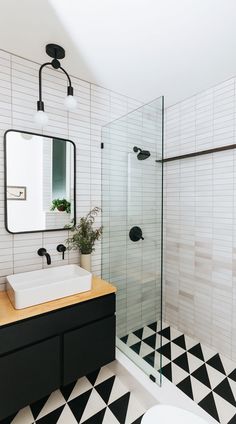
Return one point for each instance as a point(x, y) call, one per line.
point(136, 234)
point(61, 249)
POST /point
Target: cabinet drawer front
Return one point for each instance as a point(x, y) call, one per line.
point(28, 375)
point(37, 328)
point(88, 348)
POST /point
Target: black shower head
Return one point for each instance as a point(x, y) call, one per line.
point(143, 154)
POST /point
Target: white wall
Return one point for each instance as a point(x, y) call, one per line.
point(200, 201)
point(25, 168)
point(96, 106)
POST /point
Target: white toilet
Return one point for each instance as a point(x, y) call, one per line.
point(168, 414)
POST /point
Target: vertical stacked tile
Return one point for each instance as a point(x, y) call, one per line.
point(19, 93)
point(6, 245)
point(199, 275)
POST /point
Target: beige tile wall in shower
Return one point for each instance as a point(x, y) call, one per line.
point(200, 219)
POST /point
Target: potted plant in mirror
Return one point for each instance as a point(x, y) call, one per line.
point(62, 205)
point(84, 237)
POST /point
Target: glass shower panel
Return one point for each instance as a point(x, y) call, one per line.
point(132, 230)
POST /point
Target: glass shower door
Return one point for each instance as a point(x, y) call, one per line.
point(132, 230)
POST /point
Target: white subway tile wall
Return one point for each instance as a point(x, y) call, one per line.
point(96, 107)
point(200, 220)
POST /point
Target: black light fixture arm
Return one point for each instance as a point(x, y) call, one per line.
point(40, 104)
point(56, 52)
point(70, 90)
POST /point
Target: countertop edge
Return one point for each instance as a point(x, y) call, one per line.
point(10, 315)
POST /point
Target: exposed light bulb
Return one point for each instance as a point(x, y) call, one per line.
point(41, 118)
point(70, 102)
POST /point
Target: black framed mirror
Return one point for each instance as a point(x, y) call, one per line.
point(40, 182)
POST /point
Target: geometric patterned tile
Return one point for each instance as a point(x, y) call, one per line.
point(152, 341)
point(197, 351)
point(104, 389)
point(135, 410)
point(24, 416)
point(166, 370)
point(82, 385)
point(178, 373)
point(150, 358)
point(233, 420)
point(200, 391)
point(67, 416)
point(36, 407)
point(194, 362)
point(139, 333)
point(109, 418)
point(216, 363)
point(175, 334)
point(120, 406)
point(165, 350)
point(225, 410)
point(229, 365)
point(78, 404)
point(190, 342)
point(186, 387)
point(224, 390)
point(165, 332)
point(182, 362)
point(145, 349)
point(99, 398)
point(132, 339)
point(180, 341)
point(118, 390)
point(215, 376)
point(92, 377)
point(103, 375)
point(202, 374)
point(176, 351)
point(147, 332)
point(95, 405)
point(55, 400)
point(51, 418)
point(232, 375)
point(96, 418)
point(209, 405)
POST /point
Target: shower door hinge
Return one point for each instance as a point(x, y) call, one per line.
point(152, 378)
point(102, 145)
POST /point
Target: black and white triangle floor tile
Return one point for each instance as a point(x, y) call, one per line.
point(99, 398)
point(204, 375)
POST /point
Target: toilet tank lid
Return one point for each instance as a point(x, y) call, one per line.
point(170, 414)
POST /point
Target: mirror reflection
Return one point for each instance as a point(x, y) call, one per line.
point(39, 182)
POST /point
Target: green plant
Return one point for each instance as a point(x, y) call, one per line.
point(84, 236)
point(61, 205)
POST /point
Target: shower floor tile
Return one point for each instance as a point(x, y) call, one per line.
point(204, 375)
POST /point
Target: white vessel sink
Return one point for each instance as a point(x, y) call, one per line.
point(34, 287)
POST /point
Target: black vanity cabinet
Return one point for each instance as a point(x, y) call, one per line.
point(40, 354)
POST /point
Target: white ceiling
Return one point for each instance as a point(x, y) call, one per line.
point(142, 48)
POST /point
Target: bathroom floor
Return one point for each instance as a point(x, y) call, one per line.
point(205, 376)
point(98, 398)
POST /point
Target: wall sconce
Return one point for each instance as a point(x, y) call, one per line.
point(56, 52)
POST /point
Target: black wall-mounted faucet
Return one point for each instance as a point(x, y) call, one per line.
point(61, 248)
point(43, 252)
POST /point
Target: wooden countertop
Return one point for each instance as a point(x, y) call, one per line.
point(9, 315)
